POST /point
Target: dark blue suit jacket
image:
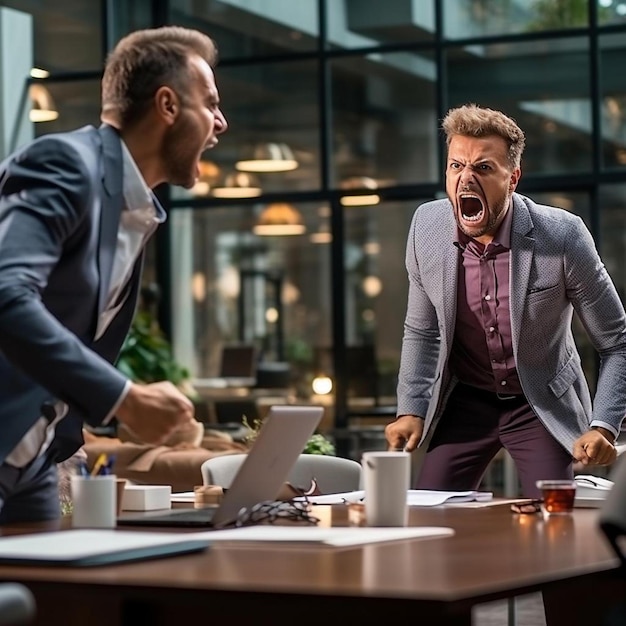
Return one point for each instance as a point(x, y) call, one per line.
point(60, 205)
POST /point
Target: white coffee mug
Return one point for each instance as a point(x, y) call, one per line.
point(94, 501)
point(386, 478)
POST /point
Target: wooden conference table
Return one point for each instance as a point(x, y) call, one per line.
point(494, 554)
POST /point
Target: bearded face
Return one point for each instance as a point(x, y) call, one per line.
point(479, 184)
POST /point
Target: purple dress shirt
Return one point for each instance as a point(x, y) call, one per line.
point(482, 351)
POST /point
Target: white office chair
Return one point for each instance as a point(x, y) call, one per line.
point(17, 604)
point(333, 474)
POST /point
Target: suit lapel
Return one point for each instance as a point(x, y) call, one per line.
point(522, 252)
point(450, 273)
point(112, 202)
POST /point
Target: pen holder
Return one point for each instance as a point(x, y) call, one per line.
point(94, 500)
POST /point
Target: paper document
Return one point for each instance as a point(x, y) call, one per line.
point(415, 497)
point(339, 536)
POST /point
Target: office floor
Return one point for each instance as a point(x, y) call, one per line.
point(528, 612)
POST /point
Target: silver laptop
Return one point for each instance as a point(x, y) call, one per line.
point(280, 441)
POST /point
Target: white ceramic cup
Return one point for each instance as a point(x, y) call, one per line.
point(386, 478)
point(94, 501)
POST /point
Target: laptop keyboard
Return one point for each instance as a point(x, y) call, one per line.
point(177, 517)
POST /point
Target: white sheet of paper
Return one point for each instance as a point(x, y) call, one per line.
point(339, 536)
point(415, 497)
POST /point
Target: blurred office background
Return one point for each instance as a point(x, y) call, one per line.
point(293, 239)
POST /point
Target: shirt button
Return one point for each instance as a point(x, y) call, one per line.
point(503, 383)
point(487, 297)
point(491, 329)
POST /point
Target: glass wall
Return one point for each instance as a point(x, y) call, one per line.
point(334, 109)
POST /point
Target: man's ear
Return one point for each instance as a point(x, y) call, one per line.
point(167, 104)
point(515, 176)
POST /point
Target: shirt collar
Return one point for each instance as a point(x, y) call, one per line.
point(137, 194)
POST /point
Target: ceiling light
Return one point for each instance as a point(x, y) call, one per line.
point(267, 157)
point(37, 72)
point(320, 237)
point(278, 219)
point(238, 185)
point(42, 104)
point(360, 183)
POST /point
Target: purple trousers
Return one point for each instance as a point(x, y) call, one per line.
point(475, 425)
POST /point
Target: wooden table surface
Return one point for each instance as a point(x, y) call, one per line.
point(493, 554)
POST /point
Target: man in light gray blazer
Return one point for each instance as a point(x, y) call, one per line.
point(488, 355)
point(76, 211)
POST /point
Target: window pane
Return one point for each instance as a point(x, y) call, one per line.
point(552, 106)
point(477, 18)
point(251, 27)
point(376, 292)
point(129, 15)
point(613, 234)
point(385, 123)
point(611, 12)
point(232, 285)
point(67, 35)
point(78, 104)
point(363, 23)
point(267, 107)
point(613, 57)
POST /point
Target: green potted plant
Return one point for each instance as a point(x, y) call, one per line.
point(317, 443)
point(146, 355)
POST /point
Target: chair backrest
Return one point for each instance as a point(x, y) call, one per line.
point(333, 474)
point(17, 604)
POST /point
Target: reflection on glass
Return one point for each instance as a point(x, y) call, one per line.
point(613, 234)
point(477, 18)
point(613, 103)
point(232, 286)
point(252, 29)
point(385, 125)
point(375, 278)
point(364, 23)
point(552, 107)
point(77, 103)
point(611, 11)
point(274, 124)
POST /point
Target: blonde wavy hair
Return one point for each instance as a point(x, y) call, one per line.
point(471, 120)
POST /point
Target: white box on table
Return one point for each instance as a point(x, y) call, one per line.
point(146, 497)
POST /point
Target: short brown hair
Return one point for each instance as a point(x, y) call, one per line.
point(472, 120)
point(145, 60)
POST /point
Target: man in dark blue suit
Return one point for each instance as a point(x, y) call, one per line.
point(76, 210)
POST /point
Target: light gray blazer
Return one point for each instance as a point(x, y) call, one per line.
point(554, 270)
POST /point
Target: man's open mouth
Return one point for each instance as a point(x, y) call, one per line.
point(471, 207)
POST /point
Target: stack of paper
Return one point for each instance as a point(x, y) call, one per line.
point(415, 497)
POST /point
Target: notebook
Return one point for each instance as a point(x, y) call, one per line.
point(279, 443)
point(84, 548)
